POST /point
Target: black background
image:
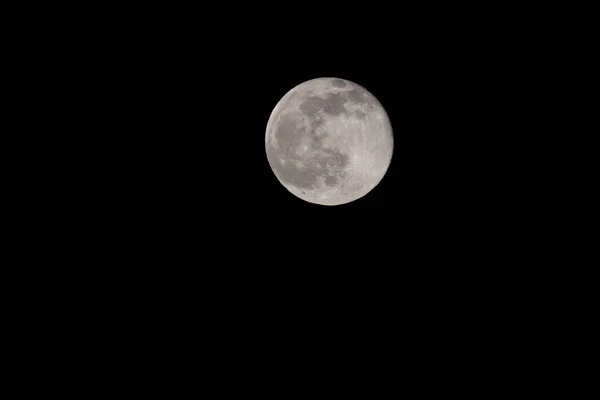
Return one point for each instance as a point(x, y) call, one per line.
point(188, 104)
point(182, 190)
point(178, 229)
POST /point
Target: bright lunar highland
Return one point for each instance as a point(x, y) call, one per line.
point(329, 141)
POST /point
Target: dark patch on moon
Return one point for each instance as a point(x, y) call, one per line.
point(331, 159)
point(311, 106)
point(338, 83)
point(288, 133)
point(357, 96)
point(333, 105)
point(331, 180)
point(304, 178)
point(317, 142)
point(315, 123)
point(360, 114)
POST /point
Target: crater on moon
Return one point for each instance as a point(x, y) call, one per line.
point(329, 141)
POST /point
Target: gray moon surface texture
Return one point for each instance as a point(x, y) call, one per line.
point(329, 141)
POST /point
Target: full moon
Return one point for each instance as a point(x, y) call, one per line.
point(329, 141)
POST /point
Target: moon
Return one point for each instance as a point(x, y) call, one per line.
point(329, 141)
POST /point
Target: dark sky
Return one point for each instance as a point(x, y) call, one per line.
point(166, 229)
point(180, 226)
point(188, 103)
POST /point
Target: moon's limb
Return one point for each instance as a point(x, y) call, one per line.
point(329, 141)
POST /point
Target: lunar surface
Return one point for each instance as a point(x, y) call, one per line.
point(329, 141)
